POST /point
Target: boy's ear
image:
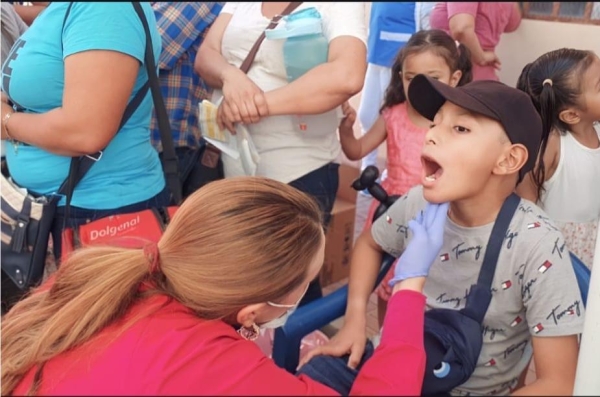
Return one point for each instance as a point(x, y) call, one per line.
point(455, 78)
point(569, 116)
point(512, 160)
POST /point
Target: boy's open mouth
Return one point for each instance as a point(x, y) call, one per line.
point(431, 168)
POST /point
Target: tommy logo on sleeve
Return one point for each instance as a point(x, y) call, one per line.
point(445, 257)
point(518, 320)
point(545, 266)
point(402, 229)
point(537, 328)
point(556, 314)
point(559, 248)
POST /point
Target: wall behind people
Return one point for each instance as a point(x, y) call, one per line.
point(534, 38)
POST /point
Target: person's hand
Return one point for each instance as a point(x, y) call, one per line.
point(490, 58)
point(423, 249)
point(243, 101)
point(351, 339)
point(347, 123)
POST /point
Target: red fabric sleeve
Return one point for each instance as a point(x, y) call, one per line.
point(462, 8)
point(398, 364)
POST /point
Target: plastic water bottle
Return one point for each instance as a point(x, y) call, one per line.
point(305, 45)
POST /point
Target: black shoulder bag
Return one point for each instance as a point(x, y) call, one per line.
point(454, 338)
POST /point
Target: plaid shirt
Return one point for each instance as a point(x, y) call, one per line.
point(182, 27)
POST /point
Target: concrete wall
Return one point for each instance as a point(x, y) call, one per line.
point(534, 38)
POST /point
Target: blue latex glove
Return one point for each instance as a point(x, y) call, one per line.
point(428, 235)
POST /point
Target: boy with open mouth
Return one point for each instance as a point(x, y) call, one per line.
point(484, 138)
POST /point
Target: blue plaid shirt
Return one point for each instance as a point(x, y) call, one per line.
point(182, 27)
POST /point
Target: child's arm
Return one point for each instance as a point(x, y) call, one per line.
point(555, 365)
point(527, 189)
point(387, 234)
point(356, 149)
point(352, 337)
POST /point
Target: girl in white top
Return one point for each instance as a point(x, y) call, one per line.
point(565, 87)
point(300, 154)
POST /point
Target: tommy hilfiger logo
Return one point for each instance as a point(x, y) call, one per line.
point(445, 257)
point(538, 328)
point(388, 219)
point(516, 321)
point(545, 266)
point(534, 225)
point(490, 363)
point(506, 285)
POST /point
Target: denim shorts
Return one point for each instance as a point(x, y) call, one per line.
point(322, 184)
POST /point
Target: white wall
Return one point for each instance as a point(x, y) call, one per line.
point(534, 38)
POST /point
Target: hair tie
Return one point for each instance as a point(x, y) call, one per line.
point(153, 257)
point(547, 81)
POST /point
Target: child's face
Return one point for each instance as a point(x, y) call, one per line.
point(429, 64)
point(460, 152)
point(590, 91)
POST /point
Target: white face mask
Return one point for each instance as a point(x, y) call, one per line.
point(281, 320)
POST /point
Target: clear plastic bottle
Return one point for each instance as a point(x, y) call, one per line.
point(305, 45)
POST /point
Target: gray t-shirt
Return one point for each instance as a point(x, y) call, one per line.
point(534, 291)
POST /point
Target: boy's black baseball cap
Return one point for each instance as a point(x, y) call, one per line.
point(509, 106)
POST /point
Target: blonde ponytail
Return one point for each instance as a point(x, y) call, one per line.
point(234, 242)
point(93, 288)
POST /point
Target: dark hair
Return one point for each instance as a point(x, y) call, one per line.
point(562, 67)
point(457, 58)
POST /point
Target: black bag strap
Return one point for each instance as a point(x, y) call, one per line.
point(490, 258)
point(480, 295)
point(169, 157)
point(81, 165)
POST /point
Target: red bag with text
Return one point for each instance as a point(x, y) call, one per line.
point(147, 225)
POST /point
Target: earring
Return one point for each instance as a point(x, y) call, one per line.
point(249, 333)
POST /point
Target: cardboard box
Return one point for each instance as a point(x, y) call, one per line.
point(340, 233)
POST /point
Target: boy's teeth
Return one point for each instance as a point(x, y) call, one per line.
point(430, 178)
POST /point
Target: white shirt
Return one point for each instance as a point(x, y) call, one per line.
point(287, 152)
point(572, 192)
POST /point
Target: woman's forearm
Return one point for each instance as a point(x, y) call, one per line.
point(468, 37)
point(53, 132)
point(212, 66)
point(398, 365)
point(319, 90)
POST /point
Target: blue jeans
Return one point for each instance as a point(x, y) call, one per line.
point(334, 371)
point(80, 216)
point(322, 184)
